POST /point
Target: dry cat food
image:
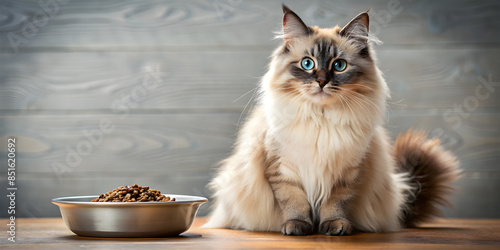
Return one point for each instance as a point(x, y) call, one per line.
point(134, 193)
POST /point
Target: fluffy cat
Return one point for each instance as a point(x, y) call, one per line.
point(314, 156)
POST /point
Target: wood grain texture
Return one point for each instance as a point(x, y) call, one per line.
point(90, 58)
point(189, 143)
point(176, 153)
point(219, 23)
point(419, 79)
point(81, 81)
point(192, 143)
point(441, 234)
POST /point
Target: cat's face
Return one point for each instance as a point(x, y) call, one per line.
point(326, 67)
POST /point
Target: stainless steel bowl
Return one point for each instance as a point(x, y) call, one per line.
point(128, 219)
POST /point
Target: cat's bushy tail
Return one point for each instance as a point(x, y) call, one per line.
point(431, 168)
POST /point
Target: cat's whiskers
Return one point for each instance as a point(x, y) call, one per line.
point(359, 96)
point(353, 94)
point(286, 86)
point(377, 93)
point(364, 103)
point(343, 98)
point(341, 102)
point(346, 102)
point(364, 85)
point(246, 105)
point(294, 100)
point(374, 91)
point(291, 97)
point(246, 93)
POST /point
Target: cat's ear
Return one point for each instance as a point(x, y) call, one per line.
point(357, 28)
point(293, 26)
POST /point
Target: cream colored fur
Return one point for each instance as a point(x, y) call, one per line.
point(318, 141)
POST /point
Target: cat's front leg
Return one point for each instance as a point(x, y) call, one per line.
point(292, 200)
point(333, 220)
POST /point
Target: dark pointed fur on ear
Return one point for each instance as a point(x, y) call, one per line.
point(293, 26)
point(357, 28)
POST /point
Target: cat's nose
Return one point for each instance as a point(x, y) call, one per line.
point(321, 78)
point(321, 82)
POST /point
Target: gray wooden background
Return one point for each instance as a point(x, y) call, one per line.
point(172, 79)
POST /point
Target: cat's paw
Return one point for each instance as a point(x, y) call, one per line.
point(336, 227)
point(296, 227)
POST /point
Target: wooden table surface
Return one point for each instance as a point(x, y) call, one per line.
point(51, 233)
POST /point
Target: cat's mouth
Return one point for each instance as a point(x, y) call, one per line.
point(325, 91)
point(321, 93)
point(323, 96)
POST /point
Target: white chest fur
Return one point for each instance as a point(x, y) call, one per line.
point(317, 146)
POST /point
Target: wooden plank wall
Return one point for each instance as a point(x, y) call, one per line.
point(172, 79)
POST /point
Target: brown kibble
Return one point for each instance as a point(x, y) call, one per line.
point(134, 193)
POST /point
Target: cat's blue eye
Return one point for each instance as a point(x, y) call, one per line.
point(339, 65)
point(307, 63)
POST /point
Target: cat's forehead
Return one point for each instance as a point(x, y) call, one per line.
point(325, 42)
point(323, 47)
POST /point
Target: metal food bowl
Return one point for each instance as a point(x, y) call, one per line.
point(128, 219)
